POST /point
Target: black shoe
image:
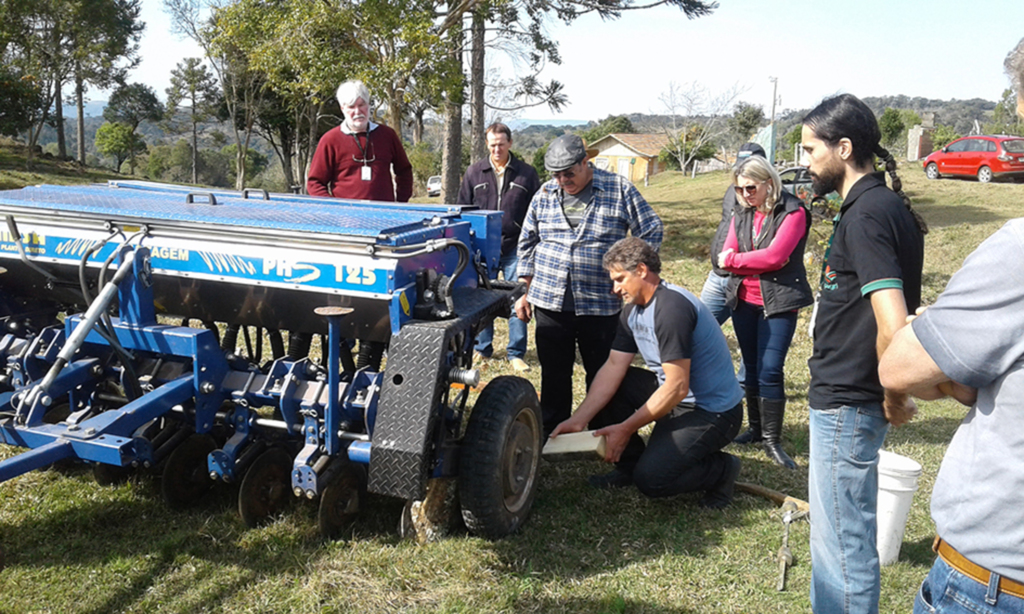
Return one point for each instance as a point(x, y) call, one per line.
point(749, 436)
point(616, 478)
point(721, 495)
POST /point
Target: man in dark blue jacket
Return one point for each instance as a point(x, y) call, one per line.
point(503, 183)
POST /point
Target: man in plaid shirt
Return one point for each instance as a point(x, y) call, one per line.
point(572, 221)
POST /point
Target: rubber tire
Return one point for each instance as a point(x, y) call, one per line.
point(341, 500)
point(266, 488)
point(932, 171)
point(186, 477)
point(500, 458)
point(984, 174)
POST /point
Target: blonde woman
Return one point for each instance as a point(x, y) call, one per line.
point(764, 254)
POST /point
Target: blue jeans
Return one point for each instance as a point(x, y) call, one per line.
point(843, 495)
point(516, 328)
point(713, 295)
point(764, 343)
point(947, 591)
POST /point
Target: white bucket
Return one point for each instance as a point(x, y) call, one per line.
point(897, 482)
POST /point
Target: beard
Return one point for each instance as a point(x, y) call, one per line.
point(828, 180)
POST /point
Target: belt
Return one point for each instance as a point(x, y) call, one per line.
point(975, 572)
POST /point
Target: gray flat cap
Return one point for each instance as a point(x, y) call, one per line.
point(564, 152)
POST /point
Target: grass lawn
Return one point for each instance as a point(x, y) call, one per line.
point(74, 546)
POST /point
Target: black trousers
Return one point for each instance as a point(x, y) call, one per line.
point(557, 337)
point(684, 451)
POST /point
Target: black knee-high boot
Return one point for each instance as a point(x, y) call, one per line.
point(753, 432)
point(772, 413)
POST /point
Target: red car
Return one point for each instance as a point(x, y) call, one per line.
point(984, 157)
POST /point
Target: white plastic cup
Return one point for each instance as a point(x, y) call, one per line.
point(897, 482)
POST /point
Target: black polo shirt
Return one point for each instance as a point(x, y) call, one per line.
point(876, 245)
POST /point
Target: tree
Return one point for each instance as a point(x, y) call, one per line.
point(1004, 117)
point(698, 118)
point(255, 162)
point(691, 151)
point(891, 126)
point(242, 87)
point(131, 105)
point(518, 27)
point(613, 124)
point(746, 120)
point(943, 135)
point(54, 39)
point(19, 95)
point(119, 141)
point(193, 86)
point(104, 43)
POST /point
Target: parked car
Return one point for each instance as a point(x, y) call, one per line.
point(985, 157)
point(434, 185)
point(795, 179)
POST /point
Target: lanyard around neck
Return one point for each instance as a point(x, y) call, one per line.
point(363, 150)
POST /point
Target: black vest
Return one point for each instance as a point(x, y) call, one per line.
point(784, 289)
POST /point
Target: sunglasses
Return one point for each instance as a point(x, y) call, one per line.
point(563, 175)
point(748, 190)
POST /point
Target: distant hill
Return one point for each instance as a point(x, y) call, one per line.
point(94, 108)
point(521, 124)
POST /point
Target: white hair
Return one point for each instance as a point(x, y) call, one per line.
point(350, 91)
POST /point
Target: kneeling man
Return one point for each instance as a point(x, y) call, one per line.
point(690, 390)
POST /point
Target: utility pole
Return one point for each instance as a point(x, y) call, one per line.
point(771, 125)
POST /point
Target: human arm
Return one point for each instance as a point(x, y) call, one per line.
point(465, 196)
point(890, 309)
point(403, 172)
point(778, 252)
point(318, 183)
point(644, 223)
point(972, 332)
point(528, 240)
point(661, 402)
point(906, 367)
point(523, 309)
point(730, 246)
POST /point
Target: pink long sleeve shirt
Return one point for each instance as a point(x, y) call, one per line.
point(751, 264)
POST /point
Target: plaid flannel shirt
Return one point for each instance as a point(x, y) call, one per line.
point(549, 248)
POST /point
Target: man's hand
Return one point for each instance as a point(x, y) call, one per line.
point(572, 425)
point(616, 438)
point(899, 409)
point(523, 309)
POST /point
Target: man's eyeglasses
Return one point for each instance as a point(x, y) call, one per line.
point(747, 190)
point(559, 175)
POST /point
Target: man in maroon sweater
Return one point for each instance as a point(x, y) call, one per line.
point(356, 159)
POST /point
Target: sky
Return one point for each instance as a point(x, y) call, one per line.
point(941, 49)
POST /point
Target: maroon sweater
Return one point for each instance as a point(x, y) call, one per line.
point(336, 172)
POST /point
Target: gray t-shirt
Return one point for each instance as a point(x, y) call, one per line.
point(975, 333)
point(676, 325)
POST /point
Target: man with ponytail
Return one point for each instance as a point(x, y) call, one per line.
point(870, 281)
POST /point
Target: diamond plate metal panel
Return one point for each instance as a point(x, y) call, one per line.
point(333, 218)
point(409, 410)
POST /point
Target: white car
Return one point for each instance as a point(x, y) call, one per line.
point(434, 185)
